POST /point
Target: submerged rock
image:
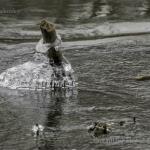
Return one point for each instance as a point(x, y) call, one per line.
point(33, 75)
point(48, 70)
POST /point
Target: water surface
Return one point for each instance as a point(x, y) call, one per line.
point(107, 43)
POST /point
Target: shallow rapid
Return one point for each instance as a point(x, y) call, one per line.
point(107, 43)
point(39, 74)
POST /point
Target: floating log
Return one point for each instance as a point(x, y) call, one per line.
point(142, 78)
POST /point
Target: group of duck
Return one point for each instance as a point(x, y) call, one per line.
point(97, 128)
point(101, 128)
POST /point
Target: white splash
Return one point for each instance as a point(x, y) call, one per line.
point(32, 75)
point(39, 74)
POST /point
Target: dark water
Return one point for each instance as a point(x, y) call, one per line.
point(106, 69)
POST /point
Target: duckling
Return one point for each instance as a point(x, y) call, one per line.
point(134, 120)
point(92, 127)
point(102, 128)
point(99, 128)
point(121, 123)
point(106, 130)
point(37, 130)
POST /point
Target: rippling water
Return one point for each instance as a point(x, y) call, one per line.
point(107, 43)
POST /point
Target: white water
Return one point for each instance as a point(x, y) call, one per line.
point(82, 31)
point(37, 75)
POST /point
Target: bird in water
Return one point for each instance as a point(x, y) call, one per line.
point(99, 128)
point(37, 130)
point(123, 122)
point(134, 120)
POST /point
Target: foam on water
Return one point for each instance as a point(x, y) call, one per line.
point(94, 31)
point(33, 75)
point(83, 31)
point(38, 75)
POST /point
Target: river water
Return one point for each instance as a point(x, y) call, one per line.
point(107, 43)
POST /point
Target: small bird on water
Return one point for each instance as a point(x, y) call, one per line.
point(134, 120)
point(37, 130)
point(121, 123)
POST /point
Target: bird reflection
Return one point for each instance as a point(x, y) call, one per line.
point(55, 114)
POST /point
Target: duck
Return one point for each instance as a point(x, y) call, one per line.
point(123, 122)
point(100, 128)
point(92, 127)
point(134, 120)
point(37, 130)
